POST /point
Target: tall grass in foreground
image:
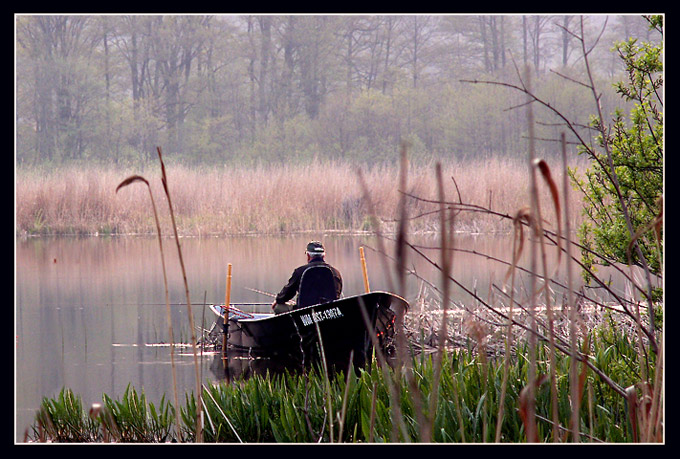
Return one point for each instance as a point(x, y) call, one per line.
point(261, 199)
point(293, 409)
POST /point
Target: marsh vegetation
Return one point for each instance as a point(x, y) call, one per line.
point(466, 370)
point(262, 200)
point(532, 359)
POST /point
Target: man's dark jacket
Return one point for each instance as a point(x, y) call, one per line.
point(291, 288)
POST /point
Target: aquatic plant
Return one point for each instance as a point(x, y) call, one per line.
point(134, 420)
point(557, 379)
point(293, 408)
point(64, 420)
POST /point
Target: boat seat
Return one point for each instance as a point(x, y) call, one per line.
point(317, 286)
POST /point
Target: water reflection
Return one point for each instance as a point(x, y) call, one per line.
point(239, 366)
point(89, 311)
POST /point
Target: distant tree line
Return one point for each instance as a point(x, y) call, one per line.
point(276, 89)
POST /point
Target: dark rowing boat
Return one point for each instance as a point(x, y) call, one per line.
point(334, 330)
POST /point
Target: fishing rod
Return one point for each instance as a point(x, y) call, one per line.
point(272, 295)
point(260, 292)
point(183, 304)
point(290, 302)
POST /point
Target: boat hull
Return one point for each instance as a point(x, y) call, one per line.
point(335, 331)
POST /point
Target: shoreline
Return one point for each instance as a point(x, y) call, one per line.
point(258, 202)
point(218, 235)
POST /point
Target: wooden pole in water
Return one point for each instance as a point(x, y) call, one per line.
point(363, 268)
point(226, 312)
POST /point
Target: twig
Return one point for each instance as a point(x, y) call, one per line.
point(573, 337)
point(611, 170)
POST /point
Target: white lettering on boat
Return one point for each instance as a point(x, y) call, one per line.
point(320, 316)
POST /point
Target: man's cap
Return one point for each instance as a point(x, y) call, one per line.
point(315, 248)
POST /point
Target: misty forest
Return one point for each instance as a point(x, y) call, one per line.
point(275, 89)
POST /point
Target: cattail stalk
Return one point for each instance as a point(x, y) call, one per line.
point(573, 317)
point(199, 387)
point(445, 272)
point(530, 426)
point(126, 182)
point(517, 233)
point(545, 172)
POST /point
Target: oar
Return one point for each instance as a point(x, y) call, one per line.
point(226, 312)
point(364, 270)
point(237, 312)
point(366, 286)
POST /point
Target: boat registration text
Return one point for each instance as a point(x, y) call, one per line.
point(320, 316)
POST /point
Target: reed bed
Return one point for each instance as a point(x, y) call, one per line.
point(264, 199)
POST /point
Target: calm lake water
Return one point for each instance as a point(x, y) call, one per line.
point(90, 313)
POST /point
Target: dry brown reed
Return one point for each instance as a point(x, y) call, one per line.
point(199, 390)
point(164, 180)
point(124, 183)
point(537, 321)
point(264, 199)
point(575, 388)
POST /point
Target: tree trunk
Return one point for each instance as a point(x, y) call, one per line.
point(524, 40)
point(265, 51)
point(565, 40)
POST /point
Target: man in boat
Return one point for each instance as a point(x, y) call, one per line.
point(315, 257)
